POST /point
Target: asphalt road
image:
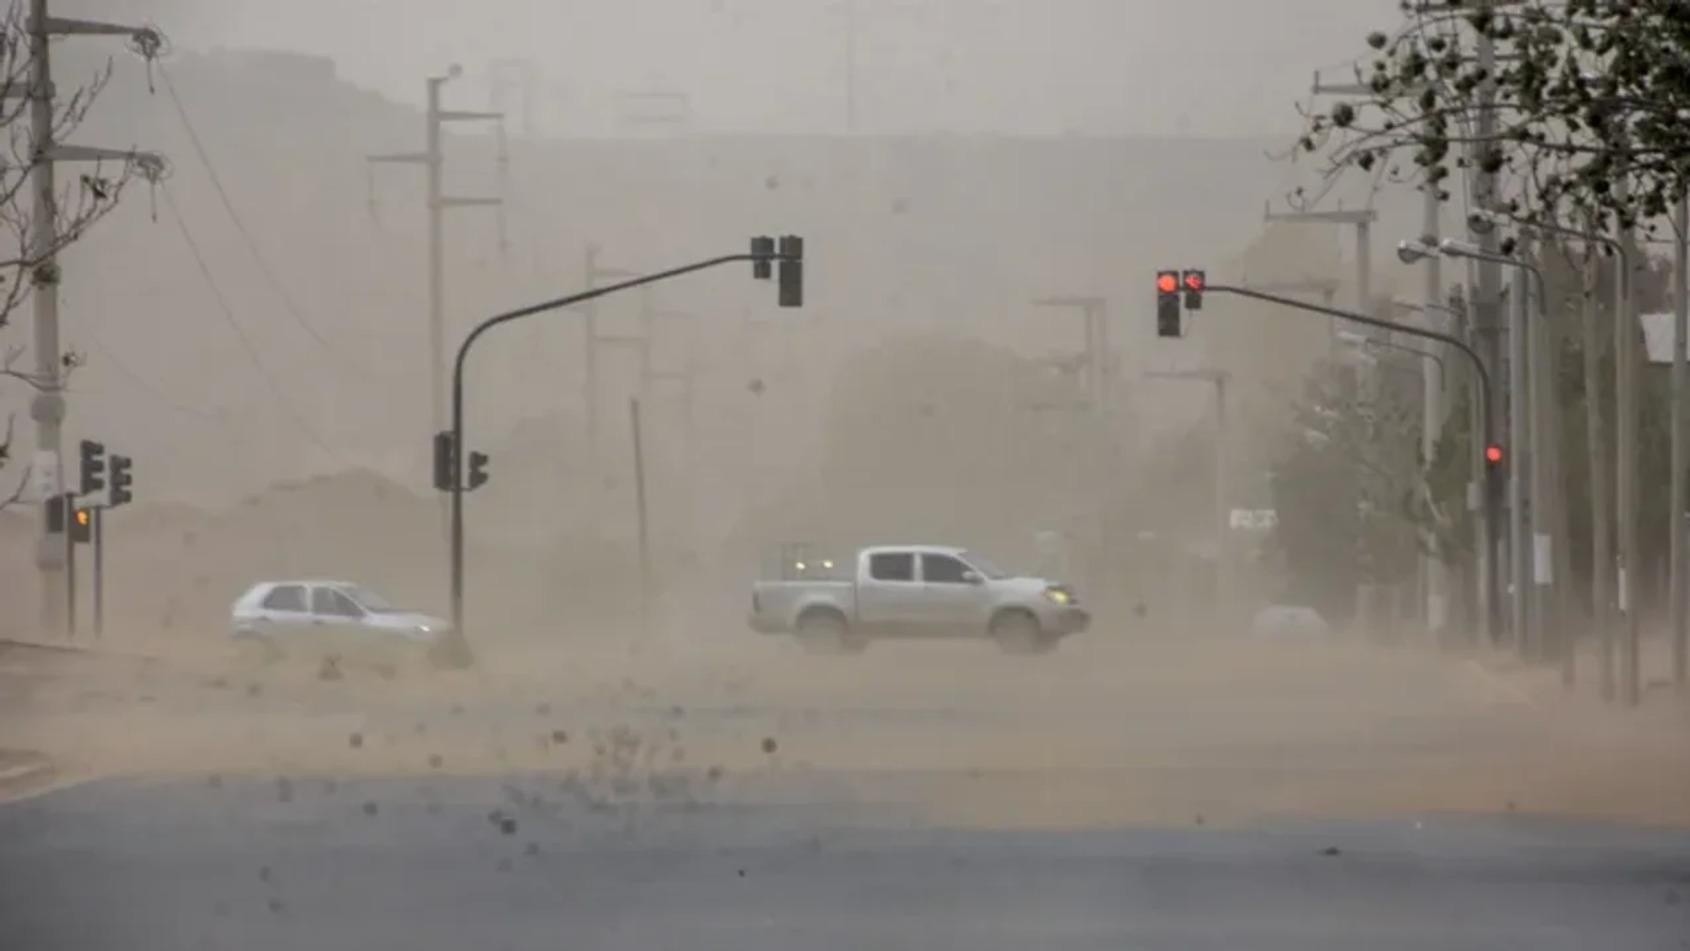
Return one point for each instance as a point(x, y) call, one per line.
point(529, 863)
point(1118, 794)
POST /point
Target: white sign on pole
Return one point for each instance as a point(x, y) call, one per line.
point(1254, 519)
point(1543, 562)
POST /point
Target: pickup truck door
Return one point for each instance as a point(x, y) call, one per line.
point(888, 593)
point(948, 599)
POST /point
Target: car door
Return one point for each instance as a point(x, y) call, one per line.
point(887, 593)
point(949, 601)
point(335, 617)
point(284, 613)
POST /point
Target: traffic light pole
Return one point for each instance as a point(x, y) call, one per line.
point(70, 564)
point(98, 517)
point(458, 651)
point(1493, 616)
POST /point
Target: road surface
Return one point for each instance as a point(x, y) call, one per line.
point(742, 795)
point(518, 863)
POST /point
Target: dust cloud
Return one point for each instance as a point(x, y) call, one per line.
point(928, 392)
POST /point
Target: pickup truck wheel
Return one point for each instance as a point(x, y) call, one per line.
point(1018, 632)
point(824, 632)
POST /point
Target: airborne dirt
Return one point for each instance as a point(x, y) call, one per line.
point(1110, 730)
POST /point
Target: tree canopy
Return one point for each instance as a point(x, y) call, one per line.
point(1586, 102)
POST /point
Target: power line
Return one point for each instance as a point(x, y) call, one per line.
point(275, 283)
point(140, 383)
point(228, 314)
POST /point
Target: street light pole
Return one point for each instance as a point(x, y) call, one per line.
point(1519, 408)
point(1680, 369)
point(1607, 584)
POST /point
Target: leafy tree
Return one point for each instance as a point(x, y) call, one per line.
point(1348, 490)
point(1585, 94)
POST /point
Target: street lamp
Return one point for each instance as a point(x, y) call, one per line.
point(1415, 250)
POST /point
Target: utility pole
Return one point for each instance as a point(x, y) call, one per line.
point(1362, 220)
point(1487, 301)
point(1223, 507)
point(1680, 370)
point(591, 338)
point(502, 74)
point(643, 538)
point(1431, 409)
point(1540, 389)
point(850, 66)
point(1519, 437)
point(1625, 459)
point(433, 161)
point(48, 409)
point(1094, 311)
point(1601, 529)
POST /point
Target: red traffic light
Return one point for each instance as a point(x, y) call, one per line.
point(1493, 455)
point(1194, 280)
point(1167, 282)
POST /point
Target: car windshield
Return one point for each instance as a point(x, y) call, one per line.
point(369, 600)
point(985, 567)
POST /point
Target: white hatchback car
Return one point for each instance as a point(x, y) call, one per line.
point(330, 618)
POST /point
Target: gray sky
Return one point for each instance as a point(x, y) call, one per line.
point(1205, 67)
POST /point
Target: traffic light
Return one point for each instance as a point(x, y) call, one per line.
point(93, 467)
point(56, 507)
point(82, 526)
point(791, 271)
point(1167, 303)
point(1493, 456)
point(477, 470)
point(121, 480)
point(762, 268)
point(445, 461)
point(1194, 282)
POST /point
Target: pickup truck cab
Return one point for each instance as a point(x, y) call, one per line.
point(917, 591)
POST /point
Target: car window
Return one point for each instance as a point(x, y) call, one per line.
point(892, 566)
point(331, 603)
point(287, 597)
point(371, 602)
point(942, 569)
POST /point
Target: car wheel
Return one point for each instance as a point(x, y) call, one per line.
point(1018, 632)
point(824, 632)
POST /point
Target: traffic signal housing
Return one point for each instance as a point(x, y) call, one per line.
point(1194, 282)
point(791, 271)
point(56, 507)
point(445, 461)
point(121, 480)
point(1493, 456)
point(762, 266)
point(1167, 303)
point(93, 467)
point(82, 526)
point(477, 470)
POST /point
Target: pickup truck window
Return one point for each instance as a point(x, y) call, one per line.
point(942, 569)
point(892, 566)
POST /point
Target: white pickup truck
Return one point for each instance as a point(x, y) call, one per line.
point(916, 591)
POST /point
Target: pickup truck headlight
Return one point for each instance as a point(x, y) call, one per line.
point(1058, 596)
